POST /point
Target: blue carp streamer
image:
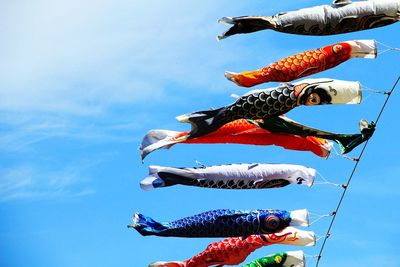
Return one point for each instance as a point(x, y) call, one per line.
point(222, 223)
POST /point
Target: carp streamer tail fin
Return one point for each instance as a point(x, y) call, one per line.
point(347, 142)
point(167, 264)
point(157, 139)
point(204, 122)
point(163, 178)
point(152, 182)
point(146, 225)
point(232, 76)
point(245, 24)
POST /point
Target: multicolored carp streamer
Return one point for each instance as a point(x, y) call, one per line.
point(222, 223)
point(266, 103)
point(284, 259)
point(234, 250)
point(233, 176)
point(342, 17)
point(306, 63)
point(236, 132)
point(346, 142)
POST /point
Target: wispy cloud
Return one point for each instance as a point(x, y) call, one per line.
point(60, 58)
point(64, 69)
point(97, 74)
point(21, 133)
point(26, 182)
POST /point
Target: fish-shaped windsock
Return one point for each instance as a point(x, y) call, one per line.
point(236, 132)
point(283, 259)
point(306, 63)
point(346, 142)
point(234, 250)
point(266, 103)
point(222, 223)
point(232, 176)
point(342, 16)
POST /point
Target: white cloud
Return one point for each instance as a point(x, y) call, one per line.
point(21, 134)
point(81, 57)
point(26, 182)
point(88, 72)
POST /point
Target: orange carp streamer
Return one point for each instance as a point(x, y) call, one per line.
point(234, 250)
point(306, 63)
point(236, 132)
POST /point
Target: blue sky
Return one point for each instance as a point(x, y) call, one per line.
point(82, 82)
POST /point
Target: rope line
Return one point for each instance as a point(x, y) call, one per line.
point(346, 186)
point(324, 181)
point(388, 48)
point(310, 256)
point(319, 217)
point(367, 89)
point(327, 184)
point(200, 164)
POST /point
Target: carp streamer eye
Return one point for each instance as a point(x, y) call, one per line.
point(313, 99)
point(278, 259)
point(272, 222)
point(337, 49)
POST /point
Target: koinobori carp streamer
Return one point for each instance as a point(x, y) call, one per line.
point(236, 132)
point(222, 223)
point(232, 176)
point(283, 259)
point(266, 103)
point(234, 250)
point(342, 16)
point(306, 63)
point(346, 142)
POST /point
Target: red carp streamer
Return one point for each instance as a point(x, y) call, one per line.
point(236, 132)
point(306, 63)
point(234, 250)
